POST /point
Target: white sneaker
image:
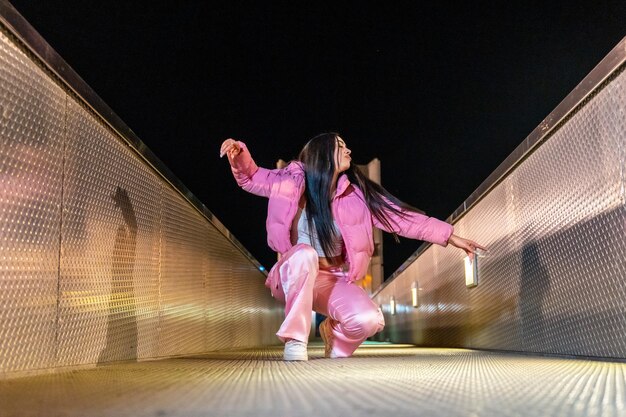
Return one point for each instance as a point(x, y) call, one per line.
point(295, 350)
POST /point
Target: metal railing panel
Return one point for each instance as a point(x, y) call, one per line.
point(32, 125)
point(556, 229)
point(105, 256)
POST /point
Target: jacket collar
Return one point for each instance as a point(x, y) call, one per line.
point(295, 167)
point(342, 185)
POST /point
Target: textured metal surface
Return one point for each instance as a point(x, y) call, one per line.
point(109, 283)
point(553, 281)
point(101, 259)
point(32, 124)
point(494, 316)
point(380, 380)
point(183, 274)
point(240, 311)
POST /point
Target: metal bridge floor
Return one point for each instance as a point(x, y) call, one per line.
point(384, 380)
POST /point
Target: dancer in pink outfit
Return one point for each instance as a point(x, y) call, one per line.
point(320, 216)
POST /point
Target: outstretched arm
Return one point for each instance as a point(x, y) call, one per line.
point(418, 226)
point(414, 225)
point(249, 176)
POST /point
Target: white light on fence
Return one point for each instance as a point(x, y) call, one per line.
point(392, 305)
point(471, 271)
point(415, 295)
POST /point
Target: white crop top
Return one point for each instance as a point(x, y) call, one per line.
point(304, 236)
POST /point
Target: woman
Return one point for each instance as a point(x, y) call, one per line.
point(320, 215)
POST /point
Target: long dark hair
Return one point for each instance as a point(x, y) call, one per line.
point(317, 157)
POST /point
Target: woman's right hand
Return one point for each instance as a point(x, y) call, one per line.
point(469, 246)
point(230, 147)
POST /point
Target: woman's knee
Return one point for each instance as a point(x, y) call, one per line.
point(364, 324)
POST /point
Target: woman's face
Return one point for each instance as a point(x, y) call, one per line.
point(342, 155)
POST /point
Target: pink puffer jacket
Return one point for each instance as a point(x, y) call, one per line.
point(285, 186)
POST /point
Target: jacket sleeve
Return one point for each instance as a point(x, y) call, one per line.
point(415, 226)
point(249, 176)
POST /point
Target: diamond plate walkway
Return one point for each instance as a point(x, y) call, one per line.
point(383, 380)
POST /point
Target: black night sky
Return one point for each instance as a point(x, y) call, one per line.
point(441, 92)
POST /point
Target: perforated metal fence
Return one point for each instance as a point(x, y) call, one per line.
point(554, 280)
point(101, 258)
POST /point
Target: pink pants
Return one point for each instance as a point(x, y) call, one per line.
point(298, 281)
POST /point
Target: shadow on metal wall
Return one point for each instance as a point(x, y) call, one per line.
point(567, 297)
point(121, 339)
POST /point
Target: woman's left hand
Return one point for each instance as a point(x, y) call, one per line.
point(469, 246)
